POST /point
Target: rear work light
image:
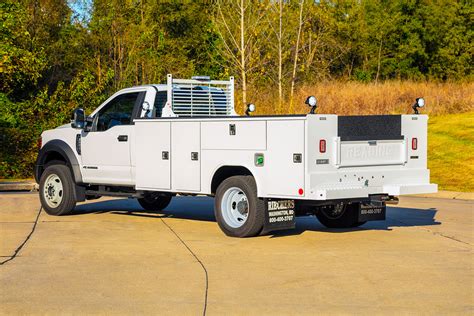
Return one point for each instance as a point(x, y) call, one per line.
point(414, 143)
point(322, 146)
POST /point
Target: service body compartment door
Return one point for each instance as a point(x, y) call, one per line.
point(285, 156)
point(240, 135)
point(153, 165)
point(186, 156)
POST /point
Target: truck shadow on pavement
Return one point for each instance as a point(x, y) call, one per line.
point(202, 209)
point(395, 217)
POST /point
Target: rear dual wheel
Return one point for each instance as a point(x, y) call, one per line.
point(238, 210)
point(340, 216)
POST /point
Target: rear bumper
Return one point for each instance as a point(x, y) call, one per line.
point(410, 189)
point(362, 192)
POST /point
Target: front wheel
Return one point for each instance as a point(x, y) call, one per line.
point(238, 210)
point(340, 216)
point(56, 191)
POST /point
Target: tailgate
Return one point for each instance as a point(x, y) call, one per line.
point(375, 140)
point(370, 153)
point(353, 156)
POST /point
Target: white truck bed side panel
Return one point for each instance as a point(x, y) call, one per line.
point(186, 169)
point(152, 139)
point(249, 135)
point(283, 176)
point(213, 160)
point(321, 127)
point(416, 126)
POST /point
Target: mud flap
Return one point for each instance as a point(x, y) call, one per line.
point(372, 211)
point(79, 193)
point(279, 215)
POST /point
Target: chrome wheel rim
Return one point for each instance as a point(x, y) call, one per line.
point(235, 207)
point(53, 191)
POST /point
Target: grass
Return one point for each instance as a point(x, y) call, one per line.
point(390, 97)
point(451, 151)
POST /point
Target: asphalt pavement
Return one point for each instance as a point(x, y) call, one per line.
point(113, 257)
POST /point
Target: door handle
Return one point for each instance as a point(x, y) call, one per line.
point(122, 138)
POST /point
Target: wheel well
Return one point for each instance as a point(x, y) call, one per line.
point(50, 157)
point(54, 155)
point(225, 172)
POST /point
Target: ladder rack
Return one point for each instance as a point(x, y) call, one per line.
point(201, 96)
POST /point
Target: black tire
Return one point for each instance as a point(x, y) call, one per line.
point(256, 207)
point(347, 219)
point(68, 195)
point(155, 202)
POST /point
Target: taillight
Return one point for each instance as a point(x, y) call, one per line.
point(39, 142)
point(414, 143)
point(322, 146)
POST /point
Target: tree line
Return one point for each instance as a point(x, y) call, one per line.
point(55, 58)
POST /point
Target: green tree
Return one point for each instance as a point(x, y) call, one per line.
point(20, 64)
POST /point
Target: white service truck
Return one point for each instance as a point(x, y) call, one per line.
point(152, 142)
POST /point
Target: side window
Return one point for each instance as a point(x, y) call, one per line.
point(160, 101)
point(117, 112)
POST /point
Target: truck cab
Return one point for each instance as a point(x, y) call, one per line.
point(153, 142)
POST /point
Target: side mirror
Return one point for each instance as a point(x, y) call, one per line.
point(146, 110)
point(250, 109)
point(78, 119)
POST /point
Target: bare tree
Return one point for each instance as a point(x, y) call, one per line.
point(295, 61)
point(280, 61)
point(237, 24)
point(319, 48)
point(242, 52)
point(278, 46)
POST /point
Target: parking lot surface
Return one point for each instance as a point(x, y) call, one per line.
point(113, 257)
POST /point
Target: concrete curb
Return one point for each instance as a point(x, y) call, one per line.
point(453, 195)
point(19, 186)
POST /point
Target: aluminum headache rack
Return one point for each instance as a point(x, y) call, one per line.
point(201, 96)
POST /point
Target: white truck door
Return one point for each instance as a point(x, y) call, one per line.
point(186, 156)
point(105, 149)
